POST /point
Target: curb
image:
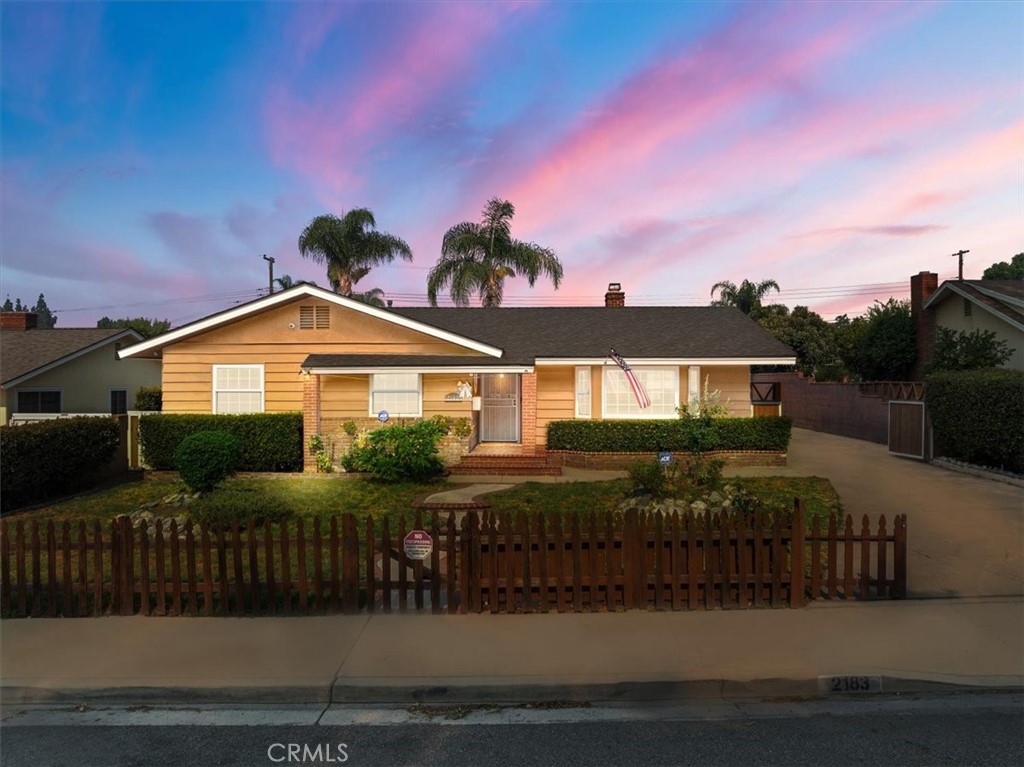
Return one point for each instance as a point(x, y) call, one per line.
point(456, 692)
point(18, 695)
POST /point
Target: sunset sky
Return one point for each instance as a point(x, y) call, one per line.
point(152, 153)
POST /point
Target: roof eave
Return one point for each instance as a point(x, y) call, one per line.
point(223, 318)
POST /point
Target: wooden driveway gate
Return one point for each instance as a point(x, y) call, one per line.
point(908, 429)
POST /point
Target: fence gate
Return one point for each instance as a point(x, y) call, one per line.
point(908, 429)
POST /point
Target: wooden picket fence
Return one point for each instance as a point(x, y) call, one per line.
point(488, 563)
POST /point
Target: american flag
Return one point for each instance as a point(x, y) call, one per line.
point(642, 399)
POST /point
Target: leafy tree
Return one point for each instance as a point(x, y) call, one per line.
point(350, 246)
point(888, 347)
point(1012, 270)
point(747, 297)
point(960, 350)
point(478, 258)
point(807, 334)
point(144, 326)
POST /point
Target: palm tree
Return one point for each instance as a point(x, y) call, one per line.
point(747, 297)
point(350, 246)
point(373, 297)
point(476, 258)
point(285, 281)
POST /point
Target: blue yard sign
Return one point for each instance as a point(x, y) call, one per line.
point(664, 457)
point(383, 416)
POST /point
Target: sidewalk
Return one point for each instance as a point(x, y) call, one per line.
point(913, 646)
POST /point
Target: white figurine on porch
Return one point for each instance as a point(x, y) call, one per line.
point(465, 390)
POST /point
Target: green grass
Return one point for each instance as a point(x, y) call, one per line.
point(309, 497)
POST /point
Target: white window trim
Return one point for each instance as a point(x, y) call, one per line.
point(577, 392)
point(263, 386)
point(58, 389)
point(419, 396)
point(642, 415)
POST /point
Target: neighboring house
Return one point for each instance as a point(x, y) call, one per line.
point(67, 370)
point(968, 305)
point(339, 360)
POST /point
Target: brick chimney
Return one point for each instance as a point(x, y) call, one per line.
point(614, 296)
point(18, 320)
point(921, 288)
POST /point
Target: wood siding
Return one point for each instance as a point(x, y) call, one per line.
point(733, 381)
point(556, 398)
point(267, 339)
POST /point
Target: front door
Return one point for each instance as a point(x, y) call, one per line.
point(499, 407)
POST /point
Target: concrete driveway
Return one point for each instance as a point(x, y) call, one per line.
point(965, 534)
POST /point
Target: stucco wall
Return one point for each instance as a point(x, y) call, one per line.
point(85, 382)
point(950, 314)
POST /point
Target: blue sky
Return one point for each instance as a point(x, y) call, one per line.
point(153, 152)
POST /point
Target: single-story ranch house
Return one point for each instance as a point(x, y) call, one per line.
point(511, 371)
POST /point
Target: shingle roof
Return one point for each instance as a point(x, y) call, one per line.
point(22, 351)
point(691, 332)
point(1003, 297)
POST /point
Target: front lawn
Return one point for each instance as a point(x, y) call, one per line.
point(318, 497)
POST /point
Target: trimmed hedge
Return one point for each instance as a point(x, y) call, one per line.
point(678, 434)
point(53, 458)
point(270, 441)
point(977, 415)
point(207, 458)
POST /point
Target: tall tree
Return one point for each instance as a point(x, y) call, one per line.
point(479, 257)
point(807, 334)
point(350, 247)
point(1012, 270)
point(285, 281)
point(373, 297)
point(144, 326)
point(962, 350)
point(747, 297)
point(888, 347)
point(44, 317)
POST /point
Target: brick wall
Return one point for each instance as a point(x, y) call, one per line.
point(450, 447)
point(528, 408)
point(310, 418)
point(622, 461)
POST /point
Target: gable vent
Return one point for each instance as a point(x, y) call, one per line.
point(314, 317)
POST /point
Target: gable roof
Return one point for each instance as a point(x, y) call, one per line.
point(1003, 298)
point(669, 333)
point(259, 305)
point(27, 353)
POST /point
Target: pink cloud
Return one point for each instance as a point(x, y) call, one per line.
point(323, 136)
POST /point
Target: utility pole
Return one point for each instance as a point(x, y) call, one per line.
point(960, 254)
point(270, 269)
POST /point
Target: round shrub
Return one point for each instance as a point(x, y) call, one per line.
point(207, 458)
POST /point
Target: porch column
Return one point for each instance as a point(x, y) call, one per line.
point(528, 409)
point(310, 418)
point(692, 387)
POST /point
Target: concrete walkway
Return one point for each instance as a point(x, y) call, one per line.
point(912, 646)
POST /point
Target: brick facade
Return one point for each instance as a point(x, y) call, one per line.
point(528, 410)
point(310, 418)
point(921, 288)
point(622, 461)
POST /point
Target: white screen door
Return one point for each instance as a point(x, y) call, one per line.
point(499, 412)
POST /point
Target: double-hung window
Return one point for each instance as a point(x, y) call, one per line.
point(400, 394)
point(661, 383)
point(238, 388)
point(39, 401)
point(583, 392)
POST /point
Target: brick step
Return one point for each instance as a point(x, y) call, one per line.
point(507, 459)
point(525, 464)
